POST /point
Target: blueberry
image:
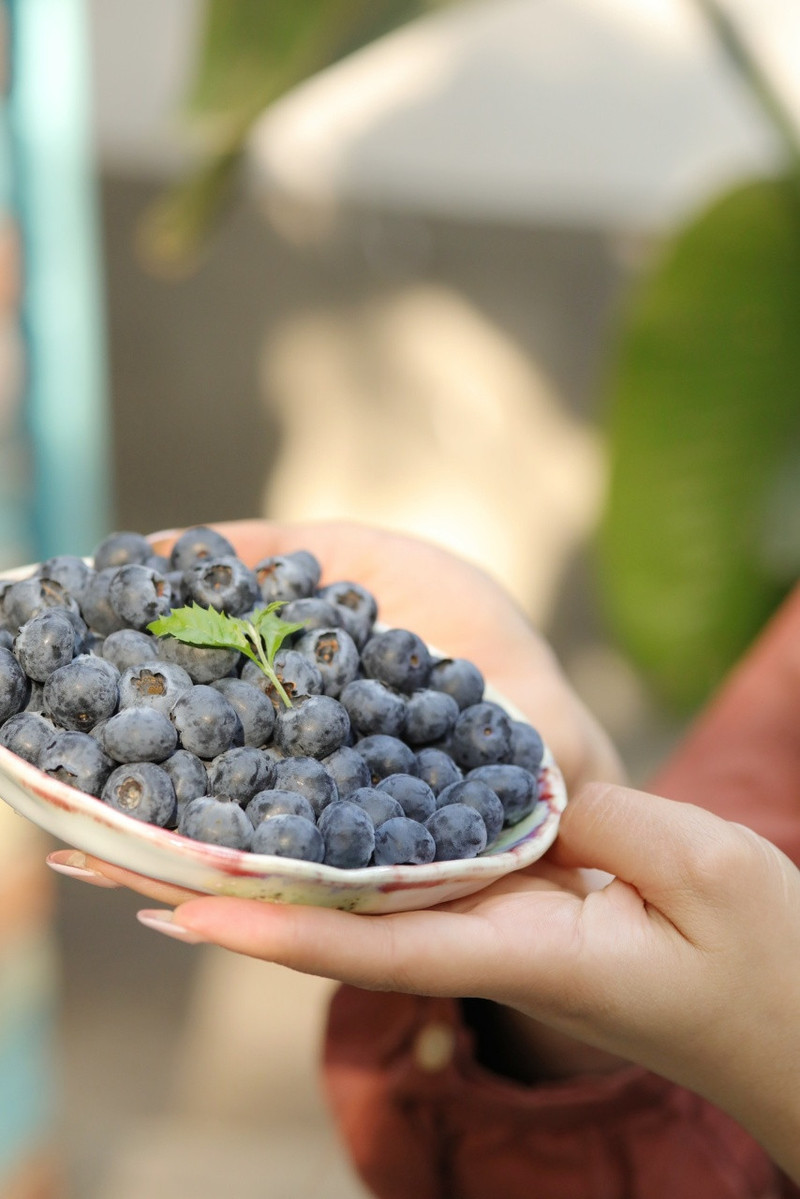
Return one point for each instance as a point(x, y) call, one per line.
point(527, 747)
point(348, 833)
point(153, 685)
point(239, 773)
point(30, 596)
point(120, 549)
point(347, 769)
point(356, 605)
point(437, 768)
point(311, 611)
point(197, 544)
point(274, 801)
point(216, 822)
point(401, 841)
point(308, 777)
point(6, 639)
point(204, 664)
point(96, 607)
point(412, 793)
point(477, 794)
point(188, 774)
point(70, 571)
point(222, 583)
point(287, 576)
point(313, 727)
point(458, 830)
point(516, 788)
point(459, 678)
point(379, 805)
point(26, 734)
point(374, 708)
point(482, 735)
point(141, 790)
point(139, 595)
point(207, 724)
point(386, 755)
point(77, 760)
point(130, 647)
point(253, 707)
point(44, 643)
point(335, 656)
point(82, 693)
point(398, 658)
point(139, 734)
point(289, 836)
point(430, 716)
point(298, 675)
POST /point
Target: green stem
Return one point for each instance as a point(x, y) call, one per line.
point(758, 81)
point(265, 664)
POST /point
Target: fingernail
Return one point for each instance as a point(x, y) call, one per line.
point(73, 863)
point(163, 921)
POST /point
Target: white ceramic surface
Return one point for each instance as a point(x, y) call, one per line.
point(86, 823)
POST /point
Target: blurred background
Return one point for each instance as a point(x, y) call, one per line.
point(518, 275)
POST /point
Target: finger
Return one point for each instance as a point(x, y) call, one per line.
point(676, 855)
point(144, 885)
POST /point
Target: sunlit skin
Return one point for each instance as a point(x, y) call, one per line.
point(682, 956)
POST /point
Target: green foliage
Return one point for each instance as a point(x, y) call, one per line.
point(259, 638)
point(700, 535)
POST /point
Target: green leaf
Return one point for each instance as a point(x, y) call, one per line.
point(274, 631)
point(704, 409)
point(201, 626)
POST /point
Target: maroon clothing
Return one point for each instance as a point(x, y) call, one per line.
point(422, 1117)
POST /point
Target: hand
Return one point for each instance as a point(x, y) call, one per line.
point(688, 962)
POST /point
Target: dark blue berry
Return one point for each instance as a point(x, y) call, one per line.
point(459, 678)
point(26, 734)
point(287, 576)
point(207, 724)
point(311, 611)
point(349, 835)
point(347, 769)
point(141, 790)
point(516, 788)
point(70, 571)
point(458, 830)
point(253, 707)
point(313, 727)
point(217, 822)
point(153, 685)
point(527, 747)
point(238, 773)
point(437, 768)
point(188, 775)
point(379, 805)
point(335, 656)
point(298, 675)
point(412, 793)
point(309, 778)
point(289, 836)
point(482, 735)
point(130, 647)
point(139, 734)
point(386, 755)
point(82, 693)
point(478, 795)
point(401, 841)
point(357, 608)
point(77, 760)
point(30, 596)
point(430, 716)
point(276, 802)
point(374, 708)
point(139, 595)
point(398, 658)
point(204, 664)
point(44, 643)
point(197, 544)
point(96, 607)
point(120, 549)
point(222, 583)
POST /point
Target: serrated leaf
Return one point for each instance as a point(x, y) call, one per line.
point(704, 403)
point(272, 630)
point(207, 627)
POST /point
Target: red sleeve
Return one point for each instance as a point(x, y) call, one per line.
point(423, 1119)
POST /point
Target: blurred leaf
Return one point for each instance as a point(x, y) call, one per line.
point(252, 51)
point(703, 422)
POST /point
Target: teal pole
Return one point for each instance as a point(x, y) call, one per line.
point(56, 202)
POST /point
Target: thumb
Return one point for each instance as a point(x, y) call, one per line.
point(675, 854)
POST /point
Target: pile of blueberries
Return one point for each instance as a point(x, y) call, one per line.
point(386, 755)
